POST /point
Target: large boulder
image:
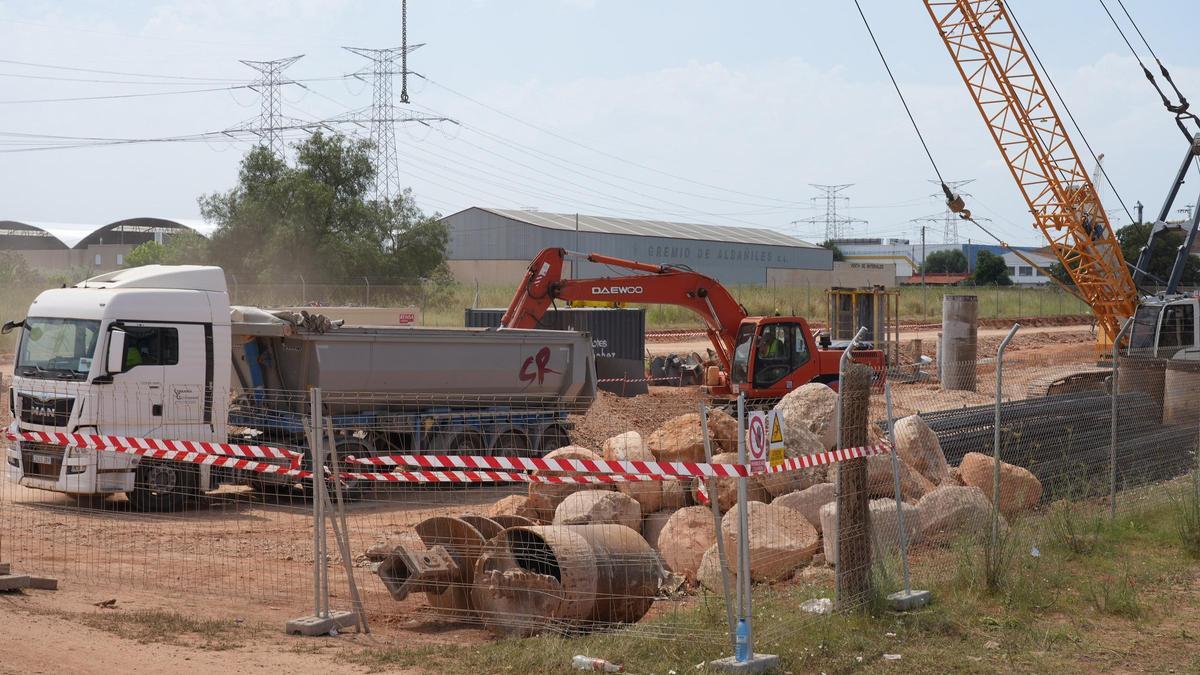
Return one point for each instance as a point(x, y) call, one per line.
point(689, 532)
point(629, 447)
point(885, 528)
point(808, 502)
point(676, 493)
point(780, 540)
point(881, 480)
point(813, 408)
point(727, 487)
point(918, 446)
point(709, 574)
point(803, 442)
point(597, 507)
point(653, 524)
point(512, 505)
point(544, 498)
point(1019, 489)
point(722, 428)
point(679, 439)
point(951, 510)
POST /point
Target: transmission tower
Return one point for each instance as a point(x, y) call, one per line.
point(836, 226)
point(270, 118)
point(383, 113)
point(949, 218)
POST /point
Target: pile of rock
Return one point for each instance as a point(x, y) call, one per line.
point(791, 516)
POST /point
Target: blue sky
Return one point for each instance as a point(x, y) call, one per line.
point(711, 112)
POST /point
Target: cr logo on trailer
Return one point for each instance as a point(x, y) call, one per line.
point(539, 361)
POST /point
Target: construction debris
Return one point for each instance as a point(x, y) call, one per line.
point(10, 582)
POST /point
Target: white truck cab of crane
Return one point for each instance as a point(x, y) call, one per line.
point(1164, 325)
point(140, 352)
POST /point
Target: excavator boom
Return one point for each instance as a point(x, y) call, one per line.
point(657, 284)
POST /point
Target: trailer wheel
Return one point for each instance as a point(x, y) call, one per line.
point(554, 438)
point(465, 443)
point(163, 486)
point(511, 442)
point(349, 446)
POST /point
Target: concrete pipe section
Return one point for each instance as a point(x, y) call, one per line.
point(565, 578)
point(957, 349)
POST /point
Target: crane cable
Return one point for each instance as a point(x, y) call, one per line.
point(1181, 108)
point(953, 201)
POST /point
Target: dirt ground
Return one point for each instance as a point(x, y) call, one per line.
point(242, 557)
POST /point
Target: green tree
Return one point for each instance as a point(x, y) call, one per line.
point(838, 256)
point(1059, 272)
point(951, 261)
point(316, 218)
point(14, 269)
point(1133, 237)
point(183, 248)
point(990, 270)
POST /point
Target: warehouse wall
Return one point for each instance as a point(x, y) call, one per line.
point(477, 235)
point(846, 274)
point(493, 272)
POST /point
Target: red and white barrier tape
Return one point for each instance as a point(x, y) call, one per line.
point(594, 466)
point(95, 442)
point(434, 468)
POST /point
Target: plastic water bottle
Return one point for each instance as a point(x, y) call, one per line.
point(581, 662)
point(741, 650)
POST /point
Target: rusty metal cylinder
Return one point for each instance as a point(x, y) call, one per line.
point(957, 349)
point(1181, 392)
point(564, 578)
point(1143, 374)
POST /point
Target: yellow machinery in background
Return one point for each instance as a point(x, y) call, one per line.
point(875, 307)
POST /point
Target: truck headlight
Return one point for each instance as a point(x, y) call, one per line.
point(12, 461)
point(75, 468)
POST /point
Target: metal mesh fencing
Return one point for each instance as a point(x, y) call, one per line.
point(521, 516)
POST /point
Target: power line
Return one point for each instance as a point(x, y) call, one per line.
point(383, 132)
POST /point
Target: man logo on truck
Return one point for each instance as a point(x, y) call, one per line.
point(540, 361)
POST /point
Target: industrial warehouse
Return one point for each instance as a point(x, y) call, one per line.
point(499, 346)
point(494, 246)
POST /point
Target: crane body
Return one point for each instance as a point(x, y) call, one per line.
point(766, 357)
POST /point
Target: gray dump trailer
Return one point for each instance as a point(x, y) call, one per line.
point(408, 389)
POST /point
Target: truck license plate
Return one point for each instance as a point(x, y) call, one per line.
point(43, 459)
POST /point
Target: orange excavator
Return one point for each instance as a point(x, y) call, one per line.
point(763, 356)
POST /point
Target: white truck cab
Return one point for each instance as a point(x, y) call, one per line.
point(140, 352)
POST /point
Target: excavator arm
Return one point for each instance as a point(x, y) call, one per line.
point(656, 284)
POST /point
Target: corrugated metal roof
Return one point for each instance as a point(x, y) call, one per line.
point(650, 228)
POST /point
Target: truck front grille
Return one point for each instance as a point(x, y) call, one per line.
point(54, 412)
point(39, 460)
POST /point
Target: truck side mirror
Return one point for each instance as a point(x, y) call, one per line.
point(10, 325)
point(115, 361)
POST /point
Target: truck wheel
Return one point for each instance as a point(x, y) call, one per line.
point(512, 442)
point(349, 446)
point(554, 438)
point(163, 486)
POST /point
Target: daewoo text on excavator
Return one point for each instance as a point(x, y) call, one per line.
point(763, 356)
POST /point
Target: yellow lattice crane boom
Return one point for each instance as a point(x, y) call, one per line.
point(985, 45)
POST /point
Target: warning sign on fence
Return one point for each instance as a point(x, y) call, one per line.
point(757, 442)
point(776, 451)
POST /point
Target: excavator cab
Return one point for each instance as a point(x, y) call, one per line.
point(774, 352)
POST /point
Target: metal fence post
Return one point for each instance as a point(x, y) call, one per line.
point(1112, 440)
point(996, 430)
point(716, 511)
point(743, 576)
point(908, 598)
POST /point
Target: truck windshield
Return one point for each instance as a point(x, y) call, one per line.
point(741, 353)
point(57, 348)
point(1145, 323)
